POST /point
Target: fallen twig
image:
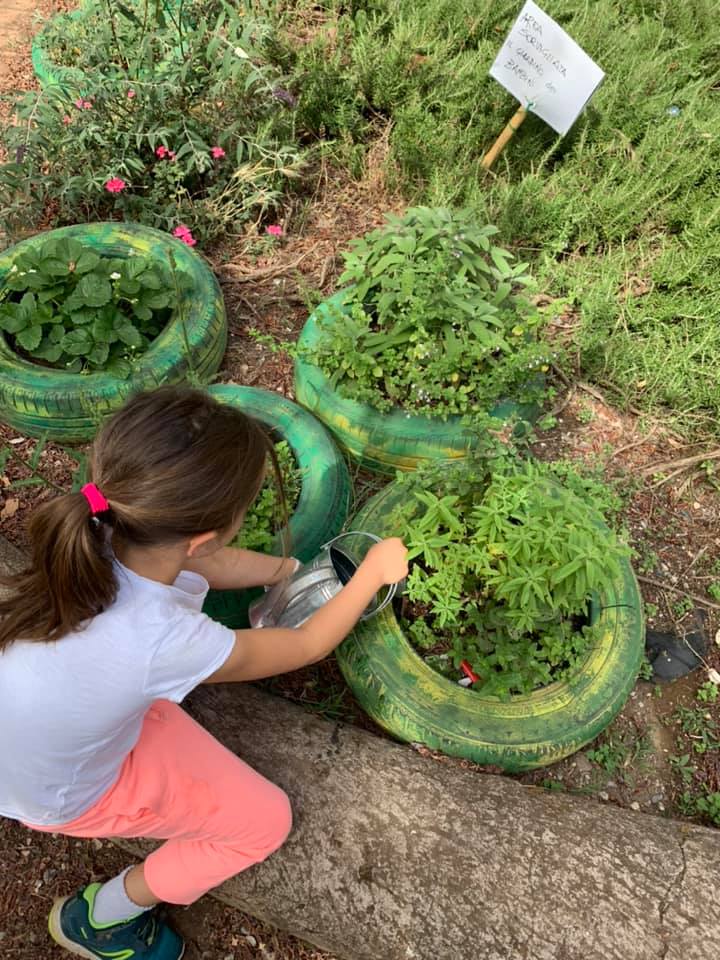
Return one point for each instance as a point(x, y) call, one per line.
point(266, 273)
point(678, 466)
point(635, 443)
point(686, 593)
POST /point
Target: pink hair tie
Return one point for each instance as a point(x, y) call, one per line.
point(97, 501)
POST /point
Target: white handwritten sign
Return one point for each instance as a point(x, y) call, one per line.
point(543, 68)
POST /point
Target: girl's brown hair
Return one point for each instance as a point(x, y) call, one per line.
point(172, 463)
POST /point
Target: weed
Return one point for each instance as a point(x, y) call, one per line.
point(646, 669)
point(682, 766)
point(707, 692)
point(714, 590)
point(682, 607)
point(698, 724)
point(586, 414)
point(619, 752)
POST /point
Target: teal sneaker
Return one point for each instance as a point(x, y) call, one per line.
point(144, 937)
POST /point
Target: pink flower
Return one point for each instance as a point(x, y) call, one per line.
point(161, 152)
point(87, 105)
point(115, 185)
point(217, 153)
point(275, 230)
point(183, 233)
point(67, 119)
point(130, 94)
point(83, 104)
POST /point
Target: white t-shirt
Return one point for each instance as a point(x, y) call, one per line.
point(71, 711)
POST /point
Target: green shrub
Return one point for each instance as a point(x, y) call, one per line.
point(170, 120)
point(504, 567)
point(259, 529)
point(65, 306)
point(434, 320)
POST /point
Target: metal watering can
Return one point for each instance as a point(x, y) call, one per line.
point(294, 600)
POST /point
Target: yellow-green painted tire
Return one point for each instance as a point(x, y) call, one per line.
point(38, 400)
point(47, 72)
point(50, 73)
point(415, 704)
point(384, 442)
point(325, 491)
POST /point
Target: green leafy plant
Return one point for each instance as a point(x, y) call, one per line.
point(167, 115)
point(66, 306)
point(504, 566)
point(705, 804)
point(708, 692)
point(682, 765)
point(259, 528)
point(700, 727)
point(434, 319)
point(646, 669)
point(714, 590)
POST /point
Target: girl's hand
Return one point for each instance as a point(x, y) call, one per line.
point(387, 560)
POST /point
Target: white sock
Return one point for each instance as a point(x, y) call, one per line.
point(112, 904)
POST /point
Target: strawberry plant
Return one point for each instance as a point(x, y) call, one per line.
point(435, 319)
point(64, 305)
point(505, 565)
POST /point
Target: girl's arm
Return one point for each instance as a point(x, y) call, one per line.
point(232, 568)
point(273, 650)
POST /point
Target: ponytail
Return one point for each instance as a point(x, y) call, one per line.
point(171, 464)
point(70, 578)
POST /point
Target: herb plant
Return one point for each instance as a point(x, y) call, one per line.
point(504, 569)
point(64, 305)
point(165, 114)
point(435, 319)
point(258, 531)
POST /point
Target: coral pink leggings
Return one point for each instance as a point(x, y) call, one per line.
point(179, 784)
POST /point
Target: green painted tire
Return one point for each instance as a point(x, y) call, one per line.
point(414, 703)
point(384, 442)
point(325, 492)
point(64, 406)
point(48, 72)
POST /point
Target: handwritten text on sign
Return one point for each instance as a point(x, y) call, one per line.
point(543, 68)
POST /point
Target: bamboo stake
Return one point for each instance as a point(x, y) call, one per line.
point(496, 149)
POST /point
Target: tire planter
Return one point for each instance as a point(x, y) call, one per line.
point(384, 442)
point(47, 72)
point(50, 73)
point(64, 406)
point(325, 490)
point(414, 703)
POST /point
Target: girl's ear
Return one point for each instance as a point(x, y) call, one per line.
point(196, 544)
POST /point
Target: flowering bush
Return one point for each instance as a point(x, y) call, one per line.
point(154, 121)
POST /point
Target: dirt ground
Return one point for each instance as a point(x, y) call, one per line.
point(673, 526)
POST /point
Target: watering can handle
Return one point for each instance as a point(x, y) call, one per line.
point(392, 588)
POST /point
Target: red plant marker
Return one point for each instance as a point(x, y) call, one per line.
point(468, 671)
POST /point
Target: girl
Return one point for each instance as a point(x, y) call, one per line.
point(103, 636)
